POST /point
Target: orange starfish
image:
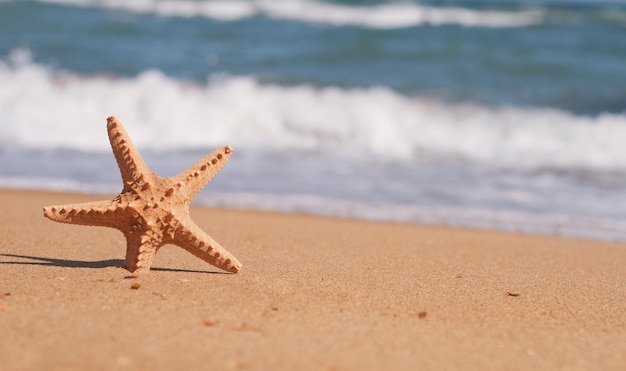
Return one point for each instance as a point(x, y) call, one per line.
point(152, 211)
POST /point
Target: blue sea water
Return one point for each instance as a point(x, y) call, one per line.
point(501, 114)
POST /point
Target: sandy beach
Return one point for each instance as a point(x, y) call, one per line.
point(314, 293)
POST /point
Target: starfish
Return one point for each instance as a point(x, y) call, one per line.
point(152, 211)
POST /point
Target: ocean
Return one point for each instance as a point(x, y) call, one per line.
point(503, 114)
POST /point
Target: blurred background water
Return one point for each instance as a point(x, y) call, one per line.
point(500, 114)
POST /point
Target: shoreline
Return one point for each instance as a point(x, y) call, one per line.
point(516, 222)
point(314, 293)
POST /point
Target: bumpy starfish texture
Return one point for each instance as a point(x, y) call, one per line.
point(152, 211)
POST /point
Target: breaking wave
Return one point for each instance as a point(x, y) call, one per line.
point(383, 16)
point(41, 108)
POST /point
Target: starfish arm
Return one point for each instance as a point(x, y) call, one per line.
point(199, 174)
point(131, 165)
point(99, 213)
point(193, 239)
point(141, 249)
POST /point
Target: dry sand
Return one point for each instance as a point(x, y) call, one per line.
point(314, 293)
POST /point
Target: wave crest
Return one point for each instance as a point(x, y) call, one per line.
point(385, 16)
point(360, 123)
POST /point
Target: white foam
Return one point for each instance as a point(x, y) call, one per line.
point(55, 184)
point(510, 221)
point(42, 109)
point(398, 15)
point(383, 16)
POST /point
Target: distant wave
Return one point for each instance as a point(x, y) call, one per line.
point(43, 109)
point(385, 16)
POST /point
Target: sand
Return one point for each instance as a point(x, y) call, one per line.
point(314, 293)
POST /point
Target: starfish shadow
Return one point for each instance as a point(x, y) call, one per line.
point(66, 263)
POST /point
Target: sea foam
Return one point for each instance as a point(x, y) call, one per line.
point(384, 16)
point(484, 218)
point(41, 108)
